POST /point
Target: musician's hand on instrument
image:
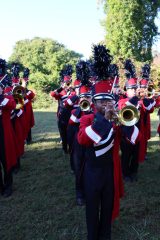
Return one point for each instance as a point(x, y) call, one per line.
point(109, 111)
point(58, 90)
point(108, 114)
point(134, 100)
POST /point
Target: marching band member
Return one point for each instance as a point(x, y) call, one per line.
point(29, 95)
point(129, 153)
point(63, 112)
point(77, 151)
point(102, 171)
point(158, 106)
point(7, 90)
point(147, 107)
point(15, 74)
point(8, 154)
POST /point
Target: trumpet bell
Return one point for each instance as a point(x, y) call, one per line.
point(129, 116)
point(84, 105)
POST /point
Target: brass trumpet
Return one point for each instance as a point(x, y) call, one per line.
point(67, 84)
point(85, 105)
point(128, 116)
point(153, 93)
point(150, 91)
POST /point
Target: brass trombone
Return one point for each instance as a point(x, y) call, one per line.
point(19, 90)
point(19, 94)
point(19, 101)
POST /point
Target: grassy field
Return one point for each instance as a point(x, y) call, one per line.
point(43, 205)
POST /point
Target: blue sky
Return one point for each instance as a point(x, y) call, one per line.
point(74, 23)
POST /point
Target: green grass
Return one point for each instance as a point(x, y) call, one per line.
point(43, 206)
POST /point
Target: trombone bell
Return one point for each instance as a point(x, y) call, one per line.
point(19, 90)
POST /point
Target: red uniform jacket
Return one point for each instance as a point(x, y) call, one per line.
point(17, 119)
point(8, 104)
point(29, 110)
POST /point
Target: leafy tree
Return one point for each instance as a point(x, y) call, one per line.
point(45, 58)
point(130, 27)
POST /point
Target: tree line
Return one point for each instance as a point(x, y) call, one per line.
point(130, 32)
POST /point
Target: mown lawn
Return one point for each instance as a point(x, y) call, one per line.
point(43, 205)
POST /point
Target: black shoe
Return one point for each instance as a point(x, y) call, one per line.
point(72, 172)
point(146, 158)
point(104, 238)
point(134, 177)
point(17, 166)
point(80, 202)
point(2, 190)
point(7, 192)
point(16, 170)
point(28, 142)
point(127, 179)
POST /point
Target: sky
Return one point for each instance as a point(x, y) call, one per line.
point(74, 23)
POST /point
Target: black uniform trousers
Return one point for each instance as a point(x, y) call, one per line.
point(63, 119)
point(63, 134)
point(78, 162)
point(129, 158)
point(99, 196)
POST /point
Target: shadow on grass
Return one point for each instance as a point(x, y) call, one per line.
point(56, 140)
point(154, 142)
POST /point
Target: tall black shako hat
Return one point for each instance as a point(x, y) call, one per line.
point(145, 75)
point(66, 73)
point(130, 73)
point(101, 61)
point(26, 72)
point(79, 67)
point(114, 73)
point(2, 67)
point(83, 75)
point(5, 79)
point(15, 69)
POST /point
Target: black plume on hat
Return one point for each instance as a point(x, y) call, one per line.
point(102, 61)
point(83, 72)
point(130, 71)
point(26, 72)
point(66, 71)
point(15, 69)
point(114, 70)
point(79, 67)
point(146, 71)
point(2, 67)
point(91, 68)
point(2, 62)
point(6, 81)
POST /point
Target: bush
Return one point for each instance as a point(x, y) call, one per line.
point(42, 100)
